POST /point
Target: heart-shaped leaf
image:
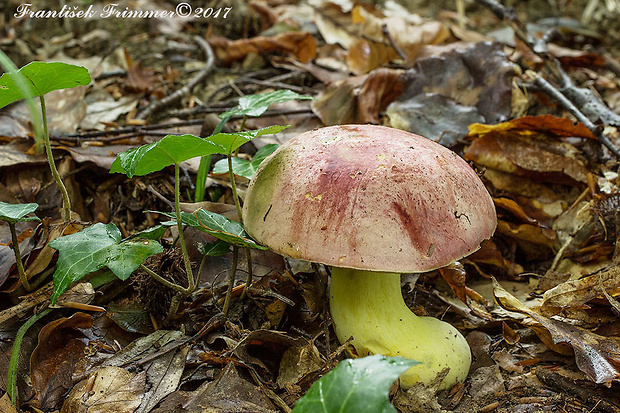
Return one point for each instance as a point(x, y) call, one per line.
point(243, 167)
point(174, 149)
point(42, 78)
point(257, 104)
point(13, 213)
point(95, 247)
point(359, 385)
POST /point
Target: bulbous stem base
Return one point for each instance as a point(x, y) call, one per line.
point(369, 307)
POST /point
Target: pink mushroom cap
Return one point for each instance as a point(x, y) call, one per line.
point(368, 197)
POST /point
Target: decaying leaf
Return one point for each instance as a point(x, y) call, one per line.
point(536, 157)
point(301, 45)
point(359, 99)
point(228, 393)
point(108, 390)
point(597, 356)
point(60, 347)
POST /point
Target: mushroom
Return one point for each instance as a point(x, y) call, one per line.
point(373, 202)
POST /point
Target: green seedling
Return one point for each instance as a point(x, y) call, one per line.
point(12, 214)
point(361, 385)
point(11, 382)
point(244, 167)
point(38, 79)
point(249, 106)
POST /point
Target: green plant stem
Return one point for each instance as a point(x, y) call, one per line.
point(248, 281)
point(205, 166)
point(11, 381)
point(162, 280)
point(191, 282)
point(18, 257)
point(233, 186)
point(66, 202)
point(231, 281)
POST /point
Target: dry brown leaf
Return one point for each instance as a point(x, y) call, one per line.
point(489, 254)
point(576, 293)
point(108, 390)
point(61, 345)
point(597, 356)
point(535, 157)
point(529, 125)
point(528, 233)
point(301, 45)
point(359, 99)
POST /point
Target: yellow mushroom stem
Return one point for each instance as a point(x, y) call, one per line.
point(369, 307)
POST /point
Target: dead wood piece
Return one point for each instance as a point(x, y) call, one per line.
point(556, 381)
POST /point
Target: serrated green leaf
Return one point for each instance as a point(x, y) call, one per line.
point(219, 227)
point(214, 249)
point(257, 104)
point(17, 212)
point(359, 385)
point(174, 149)
point(42, 77)
point(243, 167)
point(96, 247)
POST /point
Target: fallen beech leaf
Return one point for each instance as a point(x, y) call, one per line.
point(108, 390)
point(297, 361)
point(525, 232)
point(61, 345)
point(228, 393)
point(576, 293)
point(455, 275)
point(529, 125)
point(359, 99)
point(301, 45)
point(489, 254)
point(597, 356)
point(535, 157)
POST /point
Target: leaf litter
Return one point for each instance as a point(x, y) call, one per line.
point(555, 189)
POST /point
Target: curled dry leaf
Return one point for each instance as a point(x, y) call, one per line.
point(61, 345)
point(359, 99)
point(576, 293)
point(536, 157)
point(301, 45)
point(597, 356)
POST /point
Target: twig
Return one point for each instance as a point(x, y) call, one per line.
point(396, 47)
point(564, 101)
point(188, 87)
point(586, 107)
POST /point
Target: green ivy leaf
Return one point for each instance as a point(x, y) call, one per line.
point(359, 385)
point(257, 104)
point(155, 232)
point(220, 227)
point(174, 149)
point(42, 78)
point(13, 213)
point(243, 167)
point(214, 249)
point(95, 247)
